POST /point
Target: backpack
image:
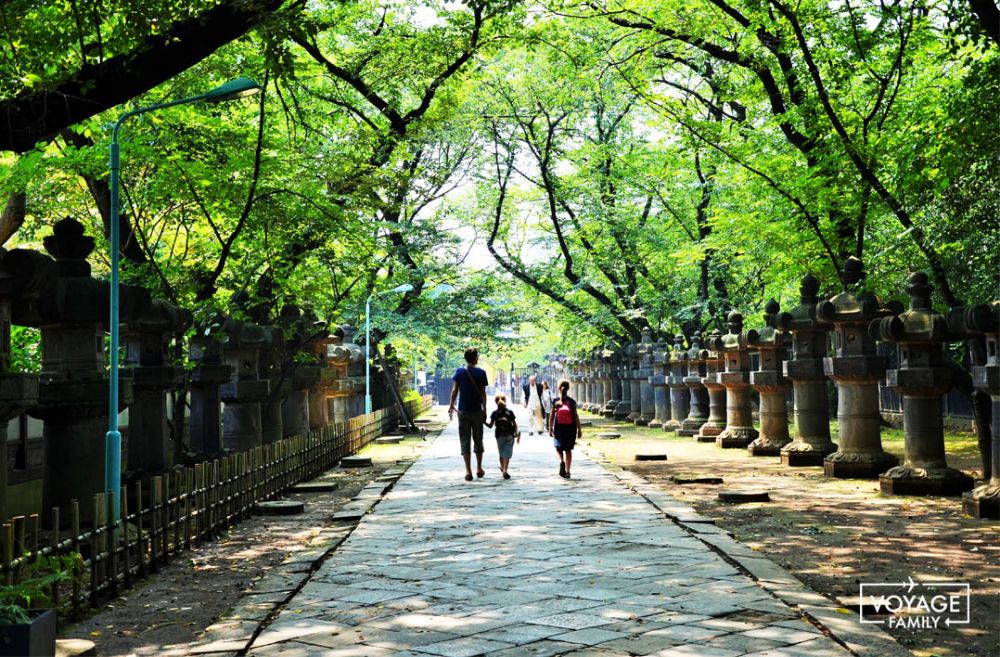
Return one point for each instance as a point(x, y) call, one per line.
point(564, 414)
point(504, 424)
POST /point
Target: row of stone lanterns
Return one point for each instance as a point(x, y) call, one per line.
point(251, 381)
point(704, 391)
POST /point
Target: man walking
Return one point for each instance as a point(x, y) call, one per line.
point(533, 402)
point(469, 386)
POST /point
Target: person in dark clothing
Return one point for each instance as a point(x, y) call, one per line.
point(506, 432)
point(469, 387)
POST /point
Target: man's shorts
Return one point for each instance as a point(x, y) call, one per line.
point(470, 429)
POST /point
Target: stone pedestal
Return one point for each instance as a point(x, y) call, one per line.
point(206, 379)
point(698, 394)
point(769, 382)
point(984, 500)
point(716, 421)
point(148, 337)
point(243, 395)
point(857, 369)
point(735, 350)
point(921, 379)
point(679, 394)
point(811, 443)
point(661, 394)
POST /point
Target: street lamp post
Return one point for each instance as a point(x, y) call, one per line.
point(237, 88)
point(399, 289)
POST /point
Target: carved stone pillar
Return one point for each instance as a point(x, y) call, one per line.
point(769, 381)
point(680, 396)
point(716, 421)
point(242, 396)
point(625, 375)
point(739, 431)
point(22, 275)
point(698, 410)
point(812, 442)
point(921, 379)
point(206, 379)
point(857, 369)
point(661, 394)
point(984, 500)
point(73, 401)
point(647, 403)
point(147, 339)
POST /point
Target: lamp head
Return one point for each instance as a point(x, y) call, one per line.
point(405, 287)
point(238, 88)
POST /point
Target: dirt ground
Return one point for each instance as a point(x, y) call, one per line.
point(173, 607)
point(834, 533)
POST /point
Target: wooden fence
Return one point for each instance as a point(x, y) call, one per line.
point(165, 515)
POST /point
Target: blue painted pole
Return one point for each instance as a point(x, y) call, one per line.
point(368, 353)
point(113, 438)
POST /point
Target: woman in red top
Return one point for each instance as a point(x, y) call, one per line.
point(564, 427)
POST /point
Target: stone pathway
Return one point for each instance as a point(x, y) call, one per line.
point(536, 565)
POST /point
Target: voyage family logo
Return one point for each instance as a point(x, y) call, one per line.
point(915, 605)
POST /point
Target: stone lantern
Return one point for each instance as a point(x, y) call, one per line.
point(716, 421)
point(607, 378)
point(242, 396)
point(635, 387)
point(147, 339)
point(72, 313)
point(647, 403)
point(735, 351)
point(319, 411)
point(625, 377)
point(302, 372)
point(206, 378)
point(984, 501)
point(680, 396)
point(811, 443)
point(355, 383)
point(698, 394)
point(770, 383)
point(22, 275)
point(661, 394)
point(857, 369)
point(922, 378)
point(338, 360)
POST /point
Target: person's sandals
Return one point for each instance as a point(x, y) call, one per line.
point(468, 477)
point(506, 476)
point(562, 469)
point(480, 474)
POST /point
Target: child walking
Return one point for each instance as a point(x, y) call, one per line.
point(506, 432)
point(564, 427)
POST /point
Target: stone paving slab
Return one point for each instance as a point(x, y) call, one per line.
point(599, 565)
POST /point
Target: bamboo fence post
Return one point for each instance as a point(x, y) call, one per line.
point(154, 525)
point(56, 540)
point(8, 552)
point(95, 550)
point(140, 543)
point(111, 541)
point(125, 542)
point(74, 524)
